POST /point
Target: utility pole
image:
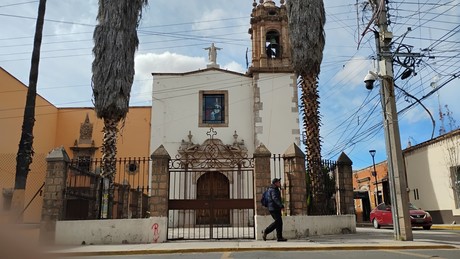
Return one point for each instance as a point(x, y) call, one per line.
point(398, 183)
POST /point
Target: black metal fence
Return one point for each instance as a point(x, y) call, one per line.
point(327, 177)
point(85, 189)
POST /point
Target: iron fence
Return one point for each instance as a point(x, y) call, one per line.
point(327, 189)
point(85, 189)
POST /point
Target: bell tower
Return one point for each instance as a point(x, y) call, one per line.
point(269, 34)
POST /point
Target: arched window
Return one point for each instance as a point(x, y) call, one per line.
point(272, 46)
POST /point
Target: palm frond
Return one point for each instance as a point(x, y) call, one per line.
point(306, 19)
point(115, 43)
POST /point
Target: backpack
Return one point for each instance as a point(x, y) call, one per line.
point(265, 198)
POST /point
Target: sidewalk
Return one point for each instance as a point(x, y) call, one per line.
point(436, 226)
point(363, 239)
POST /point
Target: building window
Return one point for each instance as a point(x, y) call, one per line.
point(213, 109)
point(84, 163)
point(455, 176)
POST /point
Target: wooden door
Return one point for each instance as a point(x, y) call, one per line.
point(212, 187)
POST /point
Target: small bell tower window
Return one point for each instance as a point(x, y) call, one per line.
point(272, 45)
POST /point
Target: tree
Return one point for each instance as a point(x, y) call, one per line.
point(115, 43)
point(306, 19)
point(25, 149)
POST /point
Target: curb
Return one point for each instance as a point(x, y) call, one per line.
point(450, 227)
point(243, 249)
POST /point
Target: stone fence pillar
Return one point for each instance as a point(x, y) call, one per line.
point(296, 182)
point(344, 186)
point(53, 208)
point(158, 202)
point(261, 177)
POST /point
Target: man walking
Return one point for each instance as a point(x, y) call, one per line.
point(274, 207)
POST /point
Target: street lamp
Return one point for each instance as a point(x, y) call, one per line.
point(374, 173)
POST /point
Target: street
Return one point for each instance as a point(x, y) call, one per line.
point(448, 237)
point(356, 254)
point(364, 234)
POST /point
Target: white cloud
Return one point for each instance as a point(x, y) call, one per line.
point(166, 62)
point(233, 66)
point(215, 15)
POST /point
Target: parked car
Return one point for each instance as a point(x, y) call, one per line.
point(381, 216)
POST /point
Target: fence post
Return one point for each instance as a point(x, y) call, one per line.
point(53, 208)
point(158, 204)
point(125, 193)
point(344, 186)
point(296, 182)
point(261, 177)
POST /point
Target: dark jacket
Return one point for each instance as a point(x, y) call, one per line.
point(274, 202)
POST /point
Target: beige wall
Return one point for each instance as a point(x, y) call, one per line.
point(54, 127)
point(428, 168)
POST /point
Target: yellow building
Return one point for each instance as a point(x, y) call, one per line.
point(55, 127)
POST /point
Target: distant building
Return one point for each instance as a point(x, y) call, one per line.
point(433, 178)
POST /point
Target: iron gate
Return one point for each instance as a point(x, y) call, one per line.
point(84, 189)
point(211, 192)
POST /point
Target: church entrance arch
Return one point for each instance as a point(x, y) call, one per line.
point(211, 192)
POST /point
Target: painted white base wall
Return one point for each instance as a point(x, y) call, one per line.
point(301, 227)
point(153, 230)
point(115, 231)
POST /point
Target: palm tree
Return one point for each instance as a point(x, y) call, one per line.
point(306, 19)
point(25, 150)
point(115, 42)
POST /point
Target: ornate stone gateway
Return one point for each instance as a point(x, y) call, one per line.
point(211, 191)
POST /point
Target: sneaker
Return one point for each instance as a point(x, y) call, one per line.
point(264, 235)
point(282, 239)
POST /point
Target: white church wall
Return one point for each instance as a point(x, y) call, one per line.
point(176, 108)
point(279, 125)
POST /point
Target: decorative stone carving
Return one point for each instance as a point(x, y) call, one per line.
point(84, 146)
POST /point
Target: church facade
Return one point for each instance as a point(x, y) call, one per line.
point(260, 106)
point(211, 121)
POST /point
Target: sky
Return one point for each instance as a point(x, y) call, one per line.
point(174, 33)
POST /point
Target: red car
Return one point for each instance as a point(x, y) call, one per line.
point(381, 216)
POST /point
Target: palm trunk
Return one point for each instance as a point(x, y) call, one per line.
point(311, 124)
point(115, 42)
point(109, 159)
point(25, 149)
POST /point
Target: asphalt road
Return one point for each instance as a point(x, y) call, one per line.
point(449, 237)
point(355, 254)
